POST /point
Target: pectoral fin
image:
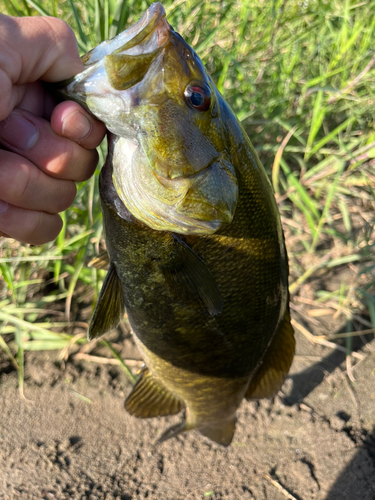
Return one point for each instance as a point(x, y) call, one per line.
point(149, 398)
point(276, 363)
point(190, 279)
point(109, 308)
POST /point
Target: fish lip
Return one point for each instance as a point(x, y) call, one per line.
point(128, 38)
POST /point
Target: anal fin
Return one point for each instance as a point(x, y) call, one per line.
point(149, 398)
point(275, 364)
point(109, 308)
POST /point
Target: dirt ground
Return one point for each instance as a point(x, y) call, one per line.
point(72, 439)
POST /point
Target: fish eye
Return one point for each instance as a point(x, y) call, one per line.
point(198, 96)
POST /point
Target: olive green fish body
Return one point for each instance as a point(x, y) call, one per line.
point(204, 360)
point(195, 244)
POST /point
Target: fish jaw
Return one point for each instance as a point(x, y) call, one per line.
point(107, 87)
point(129, 38)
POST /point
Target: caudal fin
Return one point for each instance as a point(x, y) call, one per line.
point(220, 432)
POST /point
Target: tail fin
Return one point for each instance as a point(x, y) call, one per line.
point(220, 432)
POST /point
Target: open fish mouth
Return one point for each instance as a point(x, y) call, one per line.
point(120, 63)
point(128, 40)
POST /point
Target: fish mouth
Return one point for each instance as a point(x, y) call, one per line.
point(126, 41)
point(121, 62)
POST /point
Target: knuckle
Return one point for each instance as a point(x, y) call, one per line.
point(59, 31)
point(92, 162)
point(23, 183)
point(6, 92)
point(42, 228)
point(83, 163)
point(15, 178)
point(65, 160)
point(68, 194)
point(33, 227)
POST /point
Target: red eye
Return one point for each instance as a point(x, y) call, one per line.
point(198, 96)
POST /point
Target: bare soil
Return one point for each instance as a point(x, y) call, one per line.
point(70, 437)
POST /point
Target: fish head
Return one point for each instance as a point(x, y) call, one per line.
point(171, 159)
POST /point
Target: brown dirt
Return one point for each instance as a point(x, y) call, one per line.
point(316, 440)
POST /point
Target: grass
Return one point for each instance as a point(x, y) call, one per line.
point(300, 75)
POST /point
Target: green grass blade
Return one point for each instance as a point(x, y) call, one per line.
point(319, 112)
point(310, 204)
point(8, 352)
point(38, 7)
point(329, 137)
point(326, 208)
point(82, 40)
point(123, 365)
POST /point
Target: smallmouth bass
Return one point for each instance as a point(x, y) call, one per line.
point(195, 246)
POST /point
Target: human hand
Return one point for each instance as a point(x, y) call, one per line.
point(45, 147)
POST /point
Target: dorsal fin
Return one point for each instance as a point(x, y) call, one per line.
point(149, 398)
point(109, 308)
point(101, 261)
point(275, 364)
point(190, 279)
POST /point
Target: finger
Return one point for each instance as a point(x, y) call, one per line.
point(38, 48)
point(70, 120)
point(33, 137)
point(28, 226)
point(22, 184)
point(34, 48)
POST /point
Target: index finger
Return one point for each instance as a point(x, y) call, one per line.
point(41, 48)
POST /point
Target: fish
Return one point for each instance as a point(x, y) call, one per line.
point(195, 249)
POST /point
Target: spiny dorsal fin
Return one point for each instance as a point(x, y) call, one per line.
point(276, 363)
point(109, 308)
point(149, 398)
point(101, 261)
point(190, 279)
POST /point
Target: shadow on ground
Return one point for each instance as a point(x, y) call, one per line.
point(305, 381)
point(346, 486)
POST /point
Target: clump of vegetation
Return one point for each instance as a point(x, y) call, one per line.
point(301, 77)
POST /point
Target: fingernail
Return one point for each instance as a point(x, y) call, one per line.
point(3, 206)
point(76, 126)
point(18, 132)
